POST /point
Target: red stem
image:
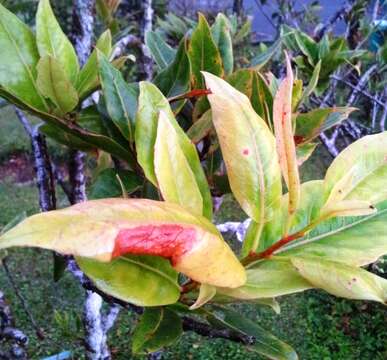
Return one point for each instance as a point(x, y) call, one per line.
point(191, 94)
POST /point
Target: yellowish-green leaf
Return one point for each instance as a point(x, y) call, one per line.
point(267, 279)
point(175, 178)
point(54, 84)
point(283, 128)
point(304, 152)
point(342, 280)
point(151, 101)
point(53, 42)
point(88, 76)
point(248, 149)
point(201, 128)
point(109, 228)
point(206, 293)
point(359, 172)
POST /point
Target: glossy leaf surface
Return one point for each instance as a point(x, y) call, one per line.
point(18, 61)
point(151, 103)
point(203, 53)
point(53, 42)
point(107, 183)
point(248, 149)
point(267, 279)
point(109, 228)
point(222, 37)
point(158, 327)
point(139, 280)
point(54, 84)
point(88, 76)
point(161, 52)
point(265, 343)
point(120, 97)
point(342, 280)
point(175, 78)
point(175, 178)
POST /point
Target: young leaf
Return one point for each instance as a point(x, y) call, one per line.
point(88, 76)
point(120, 97)
point(267, 279)
point(222, 37)
point(161, 52)
point(359, 172)
point(283, 128)
point(18, 60)
point(175, 78)
point(139, 280)
point(109, 228)
point(353, 241)
point(151, 103)
point(158, 327)
point(248, 149)
point(54, 84)
point(312, 124)
point(206, 293)
point(264, 342)
point(203, 53)
point(342, 280)
point(107, 185)
point(53, 42)
point(175, 178)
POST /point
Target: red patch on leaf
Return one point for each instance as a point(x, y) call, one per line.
point(166, 240)
point(245, 151)
point(298, 139)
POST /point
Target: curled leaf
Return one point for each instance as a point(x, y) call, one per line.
point(206, 293)
point(109, 228)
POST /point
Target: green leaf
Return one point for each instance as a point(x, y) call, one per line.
point(203, 53)
point(120, 97)
point(107, 184)
point(252, 84)
point(175, 78)
point(312, 83)
point(307, 46)
point(352, 241)
point(342, 280)
point(161, 52)
point(248, 148)
point(259, 61)
point(53, 42)
point(139, 280)
point(105, 229)
point(151, 103)
point(16, 220)
point(304, 152)
point(264, 344)
point(158, 327)
point(311, 202)
point(54, 84)
point(221, 33)
point(88, 76)
point(175, 178)
point(201, 128)
point(310, 125)
point(18, 60)
point(359, 172)
point(268, 279)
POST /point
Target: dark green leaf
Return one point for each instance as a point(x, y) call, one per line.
point(107, 184)
point(222, 38)
point(261, 60)
point(158, 327)
point(161, 52)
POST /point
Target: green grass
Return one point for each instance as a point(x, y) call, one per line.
point(318, 326)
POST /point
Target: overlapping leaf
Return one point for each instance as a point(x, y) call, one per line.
point(248, 149)
point(161, 52)
point(109, 228)
point(151, 103)
point(52, 41)
point(18, 61)
point(222, 37)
